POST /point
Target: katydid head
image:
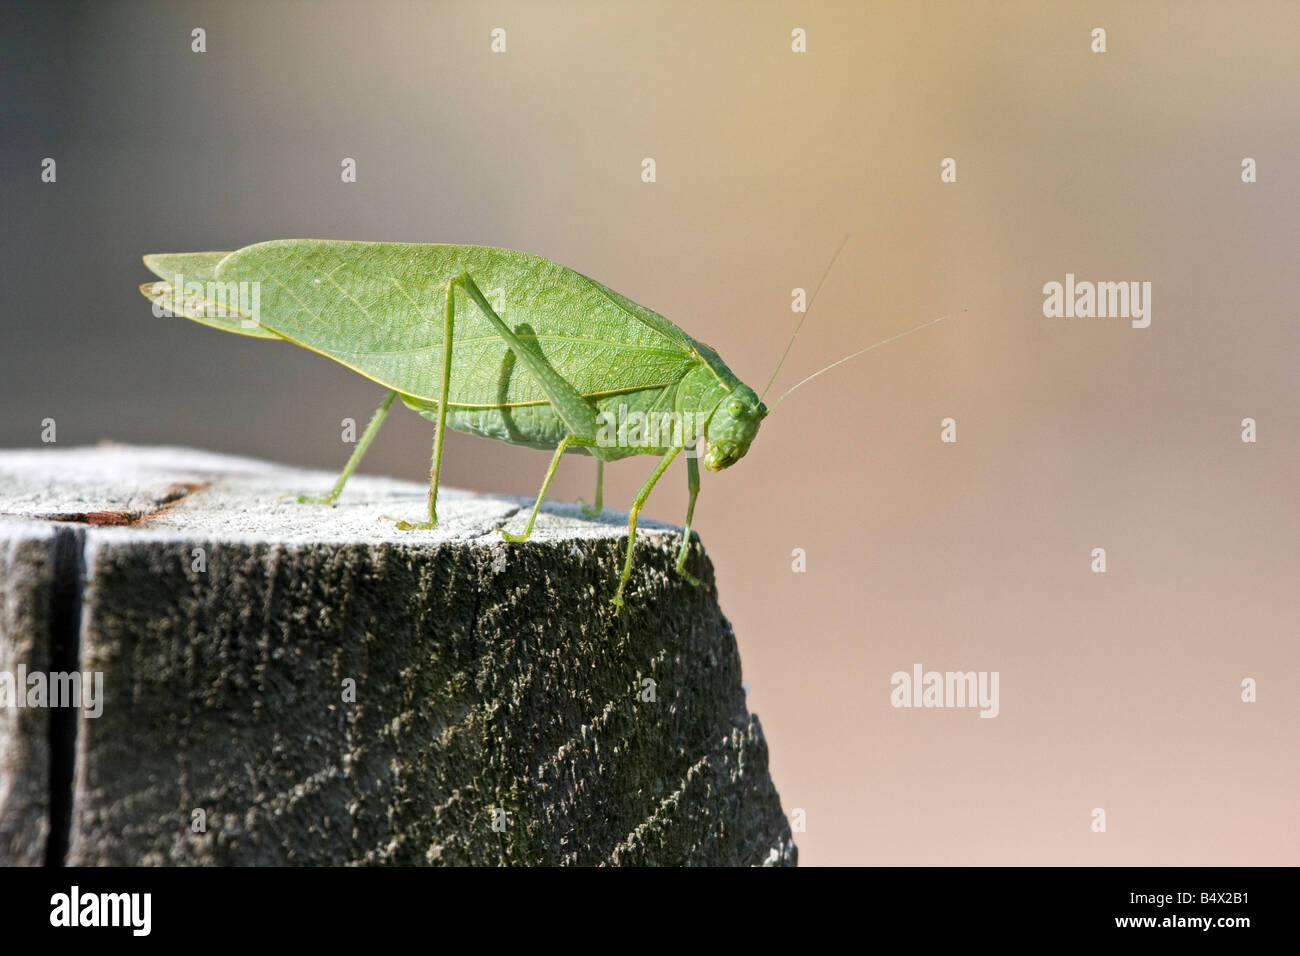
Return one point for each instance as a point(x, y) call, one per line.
point(732, 427)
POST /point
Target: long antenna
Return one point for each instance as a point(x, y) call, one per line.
point(802, 318)
point(892, 338)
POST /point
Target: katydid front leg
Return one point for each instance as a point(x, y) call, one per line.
point(693, 487)
point(367, 437)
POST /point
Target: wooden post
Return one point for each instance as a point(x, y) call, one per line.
point(264, 682)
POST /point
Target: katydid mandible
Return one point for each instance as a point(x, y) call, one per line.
point(575, 362)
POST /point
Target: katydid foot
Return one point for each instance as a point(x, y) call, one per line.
point(690, 578)
point(315, 499)
point(593, 510)
point(411, 525)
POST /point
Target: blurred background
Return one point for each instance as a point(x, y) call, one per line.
point(1120, 690)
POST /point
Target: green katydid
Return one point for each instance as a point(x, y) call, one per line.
point(575, 364)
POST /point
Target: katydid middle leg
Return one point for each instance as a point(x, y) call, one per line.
point(367, 437)
point(546, 483)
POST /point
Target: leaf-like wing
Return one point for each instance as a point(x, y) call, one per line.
point(378, 308)
point(191, 266)
point(204, 300)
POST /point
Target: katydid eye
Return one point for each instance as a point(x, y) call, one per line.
point(735, 407)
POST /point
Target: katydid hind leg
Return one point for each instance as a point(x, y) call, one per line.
point(541, 495)
point(693, 487)
point(575, 411)
point(578, 414)
point(367, 437)
point(435, 465)
point(637, 505)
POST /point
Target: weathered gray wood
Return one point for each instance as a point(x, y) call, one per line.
point(488, 676)
point(27, 557)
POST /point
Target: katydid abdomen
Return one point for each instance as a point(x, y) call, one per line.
point(644, 422)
